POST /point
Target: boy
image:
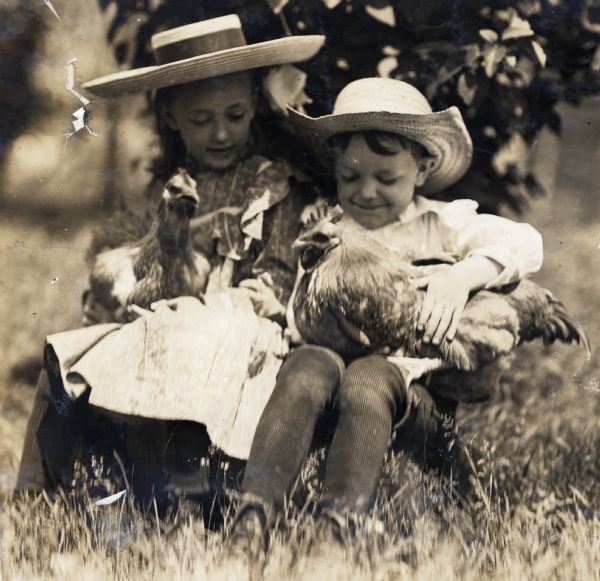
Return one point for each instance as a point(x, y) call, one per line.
point(389, 147)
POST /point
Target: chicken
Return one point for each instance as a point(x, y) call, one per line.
point(161, 265)
point(356, 298)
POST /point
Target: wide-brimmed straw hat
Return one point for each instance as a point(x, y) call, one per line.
point(202, 50)
point(396, 107)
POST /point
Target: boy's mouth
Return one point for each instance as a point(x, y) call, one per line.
point(369, 206)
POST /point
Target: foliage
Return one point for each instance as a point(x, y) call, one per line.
point(505, 64)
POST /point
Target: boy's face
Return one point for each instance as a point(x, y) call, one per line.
point(213, 118)
point(375, 189)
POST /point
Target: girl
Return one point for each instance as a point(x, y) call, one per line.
point(389, 148)
point(206, 99)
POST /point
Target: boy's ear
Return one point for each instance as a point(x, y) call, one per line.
point(168, 117)
point(424, 167)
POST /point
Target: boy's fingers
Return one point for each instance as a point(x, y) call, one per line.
point(425, 313)
point(433, 323)
point(443, 326)
point(451, 334)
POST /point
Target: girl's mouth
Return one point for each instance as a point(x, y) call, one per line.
point(221, 151)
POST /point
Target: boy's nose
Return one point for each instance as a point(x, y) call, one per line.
point(368, 191)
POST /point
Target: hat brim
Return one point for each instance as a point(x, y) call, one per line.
point(443, 134)
point(291, 49)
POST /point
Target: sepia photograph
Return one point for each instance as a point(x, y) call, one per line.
point(299, 289)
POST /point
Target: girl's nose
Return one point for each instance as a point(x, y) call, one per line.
point(221, 133)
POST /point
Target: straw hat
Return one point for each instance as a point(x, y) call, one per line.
point(201, 50)
point(397, 107)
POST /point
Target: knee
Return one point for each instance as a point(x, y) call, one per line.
point(310, 375)
point(371, 382)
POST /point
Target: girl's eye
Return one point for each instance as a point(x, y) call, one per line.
point(387, 181)
point(200, 120)
point(236, 115)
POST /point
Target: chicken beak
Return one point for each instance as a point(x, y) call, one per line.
point(300, 243)
point(188, 202)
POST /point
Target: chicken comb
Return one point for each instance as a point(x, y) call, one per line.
point(321, 211)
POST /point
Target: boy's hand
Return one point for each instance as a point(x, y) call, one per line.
point(443, 306)
point(448, 293)
point(261, 293)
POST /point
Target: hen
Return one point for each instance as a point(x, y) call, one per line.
point(356, 298)
point(161, 265)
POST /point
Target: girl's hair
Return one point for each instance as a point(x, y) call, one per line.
point(173, 152)
point(381, 143)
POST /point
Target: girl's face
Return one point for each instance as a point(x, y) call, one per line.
point(213, 118)
point(375, 189)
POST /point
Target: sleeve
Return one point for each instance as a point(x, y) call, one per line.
point(517, 247)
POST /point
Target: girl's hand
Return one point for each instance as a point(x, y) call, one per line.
point(261, 293)
point(443, 306)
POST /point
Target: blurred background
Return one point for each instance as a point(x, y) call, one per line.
point(523, 73)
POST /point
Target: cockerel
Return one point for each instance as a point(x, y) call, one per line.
point(356, 297)
point(161, 265)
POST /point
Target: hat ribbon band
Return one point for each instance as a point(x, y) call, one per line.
point(199, 45)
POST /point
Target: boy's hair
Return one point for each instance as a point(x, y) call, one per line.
point(381, 143)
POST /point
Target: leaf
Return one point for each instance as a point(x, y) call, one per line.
point(492, 56)
point(284, 86)
point(385, 15)
point(517, 28)
point(539, 52)
point(595, 64)
point(467, 88)
point(386, 66)
point(489, 35)
point(512, 157)
point(277, 5)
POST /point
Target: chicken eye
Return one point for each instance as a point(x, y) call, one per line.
point(175, 190)
point(320, 238)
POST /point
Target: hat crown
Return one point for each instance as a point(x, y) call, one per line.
point(377, 94)
point(196, 29)
point(198, 38)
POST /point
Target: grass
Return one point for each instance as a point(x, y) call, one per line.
point(532, 455)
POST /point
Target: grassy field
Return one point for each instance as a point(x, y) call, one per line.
point(535, 503)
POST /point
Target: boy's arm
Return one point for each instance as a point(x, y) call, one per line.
point(496, 252)
point(516, 247)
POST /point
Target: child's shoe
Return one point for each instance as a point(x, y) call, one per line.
point(248, 536)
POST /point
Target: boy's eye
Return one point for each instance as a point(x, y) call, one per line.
point(387, 181)
point(348, 177)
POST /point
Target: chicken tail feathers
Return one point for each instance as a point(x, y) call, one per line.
point(552, 322)
point(560, 325)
